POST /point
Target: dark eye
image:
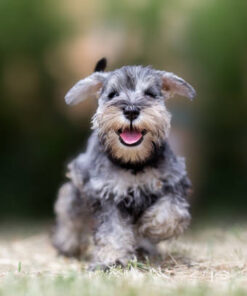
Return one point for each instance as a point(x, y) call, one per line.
point(150, 93)
point(113, 94)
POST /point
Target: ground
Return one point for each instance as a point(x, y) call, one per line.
point(207, 260)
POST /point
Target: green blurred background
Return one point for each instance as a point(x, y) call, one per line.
point(46, 46)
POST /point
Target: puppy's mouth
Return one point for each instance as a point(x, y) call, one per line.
point(131, 137)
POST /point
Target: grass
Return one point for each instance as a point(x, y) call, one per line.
point(206, 261)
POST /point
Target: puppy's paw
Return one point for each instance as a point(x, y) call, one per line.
point(164, 220)
point(99, 267)
point(107, 266)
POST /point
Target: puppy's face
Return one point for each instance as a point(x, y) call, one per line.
point(131, 119)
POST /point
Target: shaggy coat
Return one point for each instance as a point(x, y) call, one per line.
point(124, 195)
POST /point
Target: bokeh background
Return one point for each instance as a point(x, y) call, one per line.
point(46, 46)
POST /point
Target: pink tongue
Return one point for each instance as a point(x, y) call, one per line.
point(130, 137)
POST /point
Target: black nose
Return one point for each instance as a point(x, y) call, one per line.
point(131, 112)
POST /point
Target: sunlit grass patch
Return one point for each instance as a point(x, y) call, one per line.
point(206, 261)
point(116, 282)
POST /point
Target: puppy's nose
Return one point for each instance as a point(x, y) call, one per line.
point(131, 112)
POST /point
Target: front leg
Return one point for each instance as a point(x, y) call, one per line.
point(114, 239)
point(168, 217)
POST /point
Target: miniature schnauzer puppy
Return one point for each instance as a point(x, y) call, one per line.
point(128, 190)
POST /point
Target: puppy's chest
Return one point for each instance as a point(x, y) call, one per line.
point(131, 193)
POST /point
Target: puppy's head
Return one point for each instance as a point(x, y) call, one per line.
point(131, 119)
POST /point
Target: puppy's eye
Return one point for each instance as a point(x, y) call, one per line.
point(113, 94)
point(150, 93)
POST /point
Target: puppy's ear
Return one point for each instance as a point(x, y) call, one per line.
point(85, 88)
point(172, 85)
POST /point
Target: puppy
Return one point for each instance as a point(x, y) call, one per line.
point(128, 190)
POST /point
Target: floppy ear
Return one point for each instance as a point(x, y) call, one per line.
point(85, 88)
point(172, 85)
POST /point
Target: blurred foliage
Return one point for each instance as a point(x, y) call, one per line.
point(142, 19)
point(26, 28)
point(35, 137)
point(206, 39)
point(217, 46)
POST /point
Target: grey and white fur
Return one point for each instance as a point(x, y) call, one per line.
point(124, 196)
